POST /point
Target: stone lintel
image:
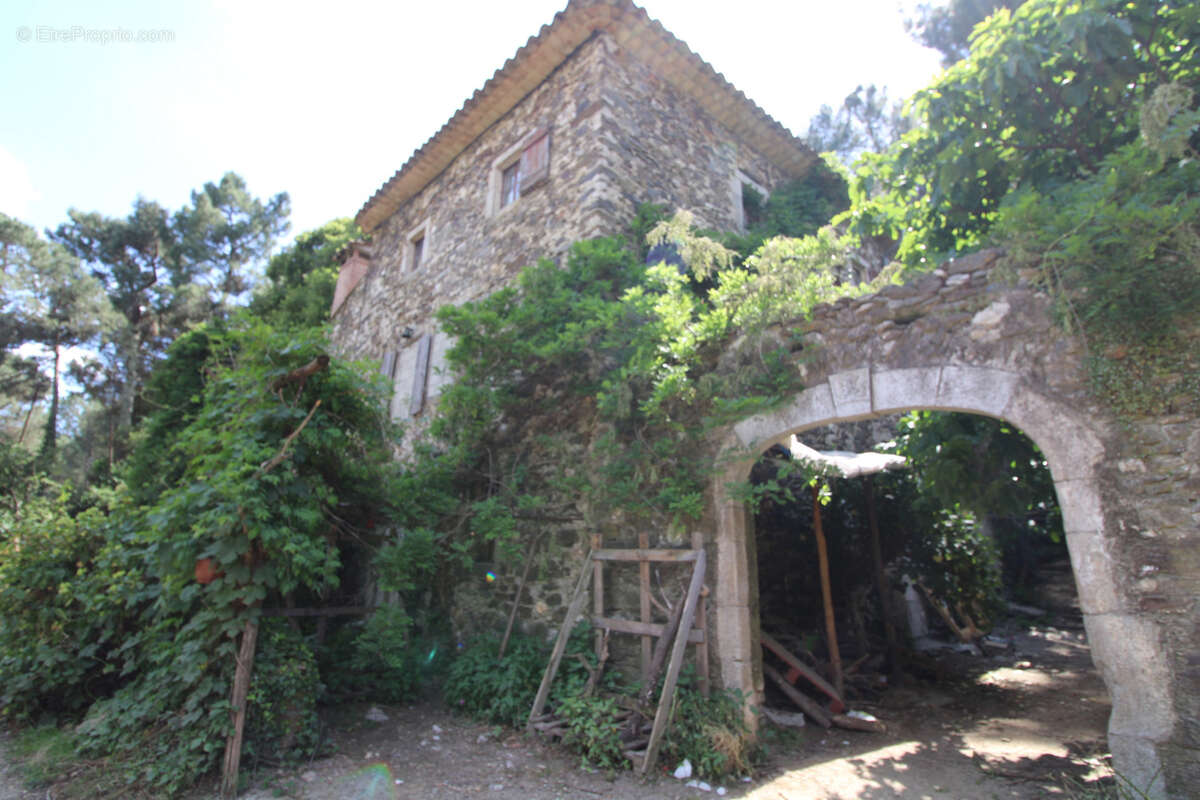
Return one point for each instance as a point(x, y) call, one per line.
point(851, 391)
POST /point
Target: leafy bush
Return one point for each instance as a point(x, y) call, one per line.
point(708, 731)
point(281, 722)
point(488, 687)
point(593, 730)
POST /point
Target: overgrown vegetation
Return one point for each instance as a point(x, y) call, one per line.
point(1067, 134)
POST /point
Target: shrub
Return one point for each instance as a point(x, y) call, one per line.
point(281, 721)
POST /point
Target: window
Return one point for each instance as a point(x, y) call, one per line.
point(510, 185)
point(416, 246)
point(519, 170)
point(749, 199)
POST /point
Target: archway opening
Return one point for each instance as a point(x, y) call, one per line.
point(976, 640)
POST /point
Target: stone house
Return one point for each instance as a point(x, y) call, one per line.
point(600, 111)
point(603, 110)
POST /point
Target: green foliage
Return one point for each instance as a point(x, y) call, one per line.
point(593, 730)
point(957, 561)
point(264, 476)
point(708, 731)
point(487, 687)
point(384, 653)
point(1121, 252)
point(52, 650)
point(1046, 93)
point(301, 278)
point(281, 724)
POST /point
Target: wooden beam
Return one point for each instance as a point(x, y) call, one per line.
point(644, 597)
point(647, 629)
point(328, 611)
point(702, 670)
point(645, 555)
point(560, 645)
point(668, 693)
point(806, 703)
point(835, 656)
point(803, 669)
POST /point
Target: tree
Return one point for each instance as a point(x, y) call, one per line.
point(222, 237)
point(302, 277)
point(166, 273)
point(866, 122)
point(947, 28)
point(56, 304)
point(1047, 92)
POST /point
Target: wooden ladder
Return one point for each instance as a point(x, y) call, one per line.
point(682, 635)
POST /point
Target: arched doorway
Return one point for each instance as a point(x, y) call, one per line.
point(1125, 646)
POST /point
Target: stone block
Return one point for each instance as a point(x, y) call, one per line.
point(1138, 762)
point(904, 389)
point(812, 406)
point(1129, 652)
point(1095, 573)
point(851, 392)
point(1080, 504)
point(1072, 448)
point(979, 390)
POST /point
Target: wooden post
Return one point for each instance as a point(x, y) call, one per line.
point(835, 656)
point(241, 688)
point(702, 624)
point(560, 645)
point(598, 595)
point(644, 589)
point(668, 693)
point(885, 603)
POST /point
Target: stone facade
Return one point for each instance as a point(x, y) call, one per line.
point(971, 337)
point(630, 120)
point(621, 132)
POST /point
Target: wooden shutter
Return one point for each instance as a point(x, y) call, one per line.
point(388, 368)
point(535, 160)
point(420, 375)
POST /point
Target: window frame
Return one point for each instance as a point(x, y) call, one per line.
point(530, 157)
point(416, 247)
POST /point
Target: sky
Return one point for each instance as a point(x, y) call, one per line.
point(106, 101)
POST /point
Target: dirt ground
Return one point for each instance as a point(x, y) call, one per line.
point(1019, 725)
point(1023, 724)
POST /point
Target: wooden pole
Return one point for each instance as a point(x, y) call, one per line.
point(702, 623)
point(885, 603)
point(644, 595)
point(512, 615)
point(598, 594)
point(241, 688)
point(835, 656)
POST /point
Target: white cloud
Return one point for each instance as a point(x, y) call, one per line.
point(17, 194)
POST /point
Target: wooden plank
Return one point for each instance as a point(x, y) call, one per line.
point(644, 596)
point(668, 693)
point(702, 623)
point(645, 555)
point(806, 703)
point(646, 629)
point(328, 611)
point(560, 645)
point(597, 595)
point(801, 668)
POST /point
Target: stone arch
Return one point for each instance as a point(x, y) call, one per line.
point(1127, 647)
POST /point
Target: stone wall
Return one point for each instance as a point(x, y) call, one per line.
point(619, 136)
point(971, 337)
